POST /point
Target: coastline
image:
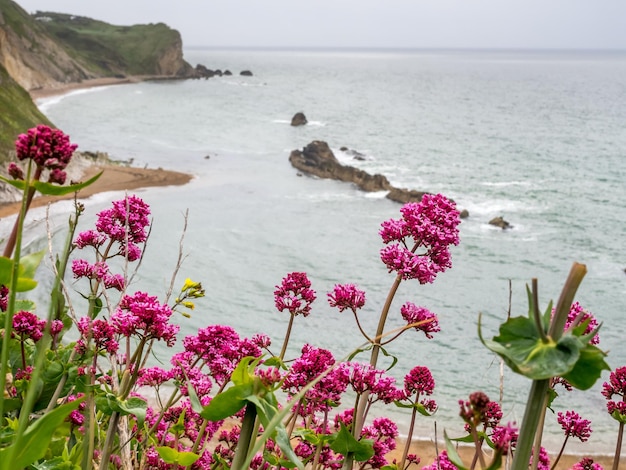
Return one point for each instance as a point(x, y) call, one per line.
point(117, 178)
point(113, 178)
point(62, 89)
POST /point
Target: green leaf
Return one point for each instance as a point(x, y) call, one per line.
point(588, 368)
point(57, 463)
point(242, 375)
point(134, 406)
point(345, 444)
point(19, 184)
point(522, 349)
point(33, 444)
point(56, 190)
point(453, 455)
point(227, 403)
point(27, 267)
point(173, 456)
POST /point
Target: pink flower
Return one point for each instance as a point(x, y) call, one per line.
point(576, 310)
point(432, 226)
point(346, 296)
point(310, 365)
point(419, 381)
point(102, 333)
point(126, 220)
point(441, 463)
point(363, 377)
point(587, 464)
point(142, 315)
point(573, 425)
point(28, 325)
point(47, 147)
point(4, 297)
point(504, 438)
point(616, 386)
point(428, 322)
point(294, 294)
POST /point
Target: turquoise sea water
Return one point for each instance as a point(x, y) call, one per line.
point(536, 137)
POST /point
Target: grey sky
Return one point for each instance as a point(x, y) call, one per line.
point(585, 24)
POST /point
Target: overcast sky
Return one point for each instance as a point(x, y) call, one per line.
point(569, 24)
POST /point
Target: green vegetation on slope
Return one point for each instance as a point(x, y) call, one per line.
point(19, 113)
point(110, 50)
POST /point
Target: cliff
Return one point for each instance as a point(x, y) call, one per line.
point(47, 50)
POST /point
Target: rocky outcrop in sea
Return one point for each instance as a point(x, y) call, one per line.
point(317, 159)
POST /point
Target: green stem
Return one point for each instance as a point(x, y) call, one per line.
point(532, 414)
point(558, 457)
point(618, 447)
point(407, 444)
point(287, 335)
point(245, 437)
point(8, 319)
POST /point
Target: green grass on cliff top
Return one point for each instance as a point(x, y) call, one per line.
point(19, 113)
point(111, 50)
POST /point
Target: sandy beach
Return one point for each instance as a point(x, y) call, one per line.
point(116, 178)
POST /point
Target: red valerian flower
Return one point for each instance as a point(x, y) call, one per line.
point(48, 148)
point(425, 319)
point(418, 244)
point(294, 294)
point(573, 425)
point(346, 296)
point(143, 316)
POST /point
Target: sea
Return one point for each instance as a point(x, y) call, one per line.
point(537, 137)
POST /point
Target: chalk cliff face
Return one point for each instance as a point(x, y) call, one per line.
point(45, 50)
point(30, 55)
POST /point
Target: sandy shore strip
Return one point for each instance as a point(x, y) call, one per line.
point(61, 89)
point(113, 178)
point(425, 450)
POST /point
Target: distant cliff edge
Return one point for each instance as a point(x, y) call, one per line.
point(47, 50)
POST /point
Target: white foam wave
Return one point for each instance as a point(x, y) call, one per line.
point(44, 104)
point(500, 184)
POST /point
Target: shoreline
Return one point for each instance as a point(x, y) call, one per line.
point(113, 178)
point(62, 89)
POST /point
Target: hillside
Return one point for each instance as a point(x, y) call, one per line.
point(47, 50)
point(109, 50)
point(18, 113)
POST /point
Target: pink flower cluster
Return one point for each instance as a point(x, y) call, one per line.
point(48, 148)
point(346, 296)
point(143, 316)
point(587, 463)
point(100, 331)
point(218, 348)
point(573, 425)
point(616, 386)
point(294, 294)
point(123, 225)
point(432, 225)
point(576, 311)
point(4, 297)
point(324, 394)
point(427, 321)
point(29, 326)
